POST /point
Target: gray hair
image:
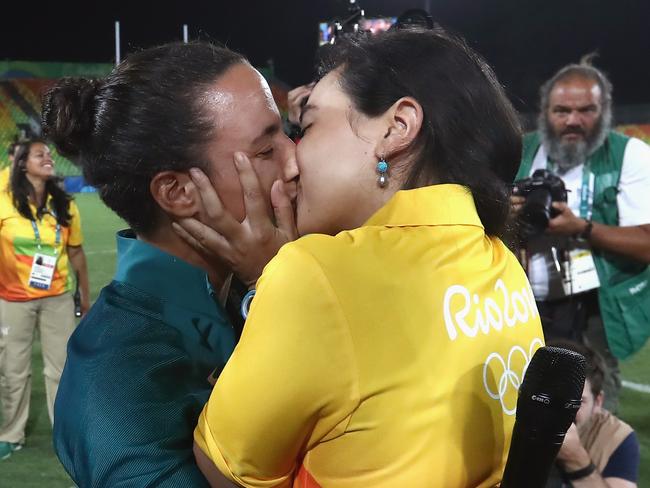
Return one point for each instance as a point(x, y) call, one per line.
point(583, 69)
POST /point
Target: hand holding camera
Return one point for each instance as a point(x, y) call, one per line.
point(565, 222)
point(540, 204)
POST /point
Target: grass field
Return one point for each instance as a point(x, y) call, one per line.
point(37, 466)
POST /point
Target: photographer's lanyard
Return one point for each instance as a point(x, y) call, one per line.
point(587, 193)
point(44, 265)
point(586, 190)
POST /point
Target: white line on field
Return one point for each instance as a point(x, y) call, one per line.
point(101, 251)
point(636, 386)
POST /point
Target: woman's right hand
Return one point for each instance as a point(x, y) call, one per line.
point(244, 247)
point(516, 204)
point(294, 101)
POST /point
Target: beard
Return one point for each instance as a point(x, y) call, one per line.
point(569, 154)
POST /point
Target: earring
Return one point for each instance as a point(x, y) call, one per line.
point(382, 171)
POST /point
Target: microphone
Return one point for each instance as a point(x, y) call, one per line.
point(549, 398)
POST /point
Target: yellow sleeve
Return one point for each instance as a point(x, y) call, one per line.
point(75, 238)
point(6, 204)
point(5, 175)
point(291, 381)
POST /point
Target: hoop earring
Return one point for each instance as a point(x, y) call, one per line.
point(382, 171)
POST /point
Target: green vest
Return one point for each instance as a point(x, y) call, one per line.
point(624, 293)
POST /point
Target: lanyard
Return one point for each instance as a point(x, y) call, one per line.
point(37, 235)
point(586, 190)
point(587, 193)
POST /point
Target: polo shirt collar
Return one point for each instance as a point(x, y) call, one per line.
point(49, 208)
point(446, 204)
point(163, 275)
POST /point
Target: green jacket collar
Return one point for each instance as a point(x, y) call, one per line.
point(155, 272)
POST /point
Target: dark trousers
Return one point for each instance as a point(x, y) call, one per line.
point(577, 318)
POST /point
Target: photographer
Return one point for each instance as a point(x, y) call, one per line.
point(587, 256)
point(296, 100)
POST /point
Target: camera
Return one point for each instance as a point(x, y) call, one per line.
point(331, 32)
point(356, 23)
point(540, 190)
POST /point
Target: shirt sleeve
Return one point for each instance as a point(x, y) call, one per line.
point(6, 205)
point(291, 381)
point(75, 238)
point(132, 427)
point(633, 197)
point(624, 461)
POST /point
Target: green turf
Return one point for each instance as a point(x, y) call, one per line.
point(37, 466)
point(634, 406)
point(99, 227)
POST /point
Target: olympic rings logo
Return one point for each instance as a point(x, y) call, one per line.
point(509, 376)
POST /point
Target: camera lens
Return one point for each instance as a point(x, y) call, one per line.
point(537, 210)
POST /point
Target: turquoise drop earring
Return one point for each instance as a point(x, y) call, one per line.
point(382, 171)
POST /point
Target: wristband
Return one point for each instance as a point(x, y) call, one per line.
point(581, 473)
point(586, 234)
point(246, 303)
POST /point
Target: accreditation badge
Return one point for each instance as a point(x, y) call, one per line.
point(580, 272)
point(42, 271)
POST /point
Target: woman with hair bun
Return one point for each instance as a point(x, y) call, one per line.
point(140, 365)
point(40, 251)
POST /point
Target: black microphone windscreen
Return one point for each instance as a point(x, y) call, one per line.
point(549, 399)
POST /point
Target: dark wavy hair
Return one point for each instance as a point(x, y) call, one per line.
point(22, 189)
point(470, 133)
point(145, 117)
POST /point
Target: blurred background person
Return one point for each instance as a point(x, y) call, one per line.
point(587, 259)
point(40, 250)
point(296, 99)
point(599, 450)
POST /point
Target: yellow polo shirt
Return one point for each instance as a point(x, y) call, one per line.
point(18, 246)
point(387, 356)
point(5, 176)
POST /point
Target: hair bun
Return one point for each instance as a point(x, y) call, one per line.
point(68, 114)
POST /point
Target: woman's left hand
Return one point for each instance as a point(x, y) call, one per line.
point(77, 258)
point(245, 247)
point(84, 306)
